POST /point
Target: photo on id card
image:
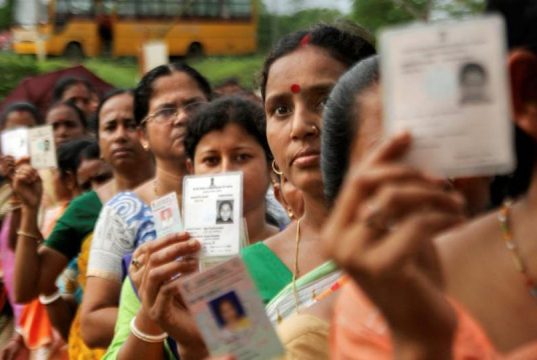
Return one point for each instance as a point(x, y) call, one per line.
point(229, 312)
point(447, 84)
point(167, 215)
point(212, 212)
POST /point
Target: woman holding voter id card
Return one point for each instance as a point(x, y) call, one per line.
point(226, 135)
point(294, 102)
point(163, 100)
point(473, 289)
point(75, 226)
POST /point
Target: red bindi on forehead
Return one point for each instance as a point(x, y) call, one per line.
point(295, 88)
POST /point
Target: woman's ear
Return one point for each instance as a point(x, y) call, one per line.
point(189, 166)
point(143, 138)
point(523, 71)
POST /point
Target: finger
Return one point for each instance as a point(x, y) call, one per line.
point(141, 260)
point(361, 184)
point(157, 276)
point(158, 244)
point(164, 299)
point(142, 249)
point(389, 150)
point(174, 251)
point(386, 257)
point(395, 202)
point(23, 161)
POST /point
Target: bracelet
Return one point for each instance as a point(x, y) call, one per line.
point(49, 299)
point(29, 235)
point(146, 337)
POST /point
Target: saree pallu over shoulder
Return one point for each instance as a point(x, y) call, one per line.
point(308, 287)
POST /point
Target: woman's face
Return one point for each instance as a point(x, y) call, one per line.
point(234, 149)
point(81, 96)
point(65, 123)
point(119, 139)
point(165, 131)
point(226, 212)
point(297, 87)
point(229, 313)
point(19, 118)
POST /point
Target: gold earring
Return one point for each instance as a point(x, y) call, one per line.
point(291, 214)
point(275, 168)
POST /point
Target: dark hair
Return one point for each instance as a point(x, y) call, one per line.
point(340, 123)
point(69, 155)
point(471, 68)
point(348, 47)
point(520, 17)
point(216, 115)
point(91, 152)
point(108, 96)
point(20, 106)
point(144, 90)
point(71, 105)
point(64, 83)
point(224, 202)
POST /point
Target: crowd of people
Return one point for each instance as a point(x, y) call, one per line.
point(355, 254)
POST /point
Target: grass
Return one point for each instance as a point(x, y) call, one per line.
point(124, 72)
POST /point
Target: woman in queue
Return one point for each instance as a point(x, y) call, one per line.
point(120, 146)
point(294, 101)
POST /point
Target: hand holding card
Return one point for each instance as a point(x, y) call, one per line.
point(229, 312)
point(158, 291)
point(27, 186)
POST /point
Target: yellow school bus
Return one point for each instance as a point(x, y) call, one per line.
point(121, 27)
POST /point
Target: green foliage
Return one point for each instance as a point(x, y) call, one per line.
point(218, 69)
point(6, 14)
point(272, 27)
point(14, 69)
point(374, 14)
point(458, 8)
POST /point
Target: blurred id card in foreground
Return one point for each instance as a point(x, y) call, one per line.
point(167, 215)
point(15, 143)
point(447, 84)
point(37, 143)
point(212, 210)
point(42, 148)
point(229, 312)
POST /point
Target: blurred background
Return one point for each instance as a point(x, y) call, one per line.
point(117, 40)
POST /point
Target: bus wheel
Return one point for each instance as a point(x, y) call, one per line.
point(73, 51)
point(195, 50)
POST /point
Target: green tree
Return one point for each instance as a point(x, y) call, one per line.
point(272, 26)
point(374, 14)
point(6, 16)
point(458, 8)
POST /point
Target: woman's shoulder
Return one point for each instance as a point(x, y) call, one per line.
point(127, 204)
point(475, 234)
point(86, 199)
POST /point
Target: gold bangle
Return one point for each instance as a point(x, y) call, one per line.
point(29, 235)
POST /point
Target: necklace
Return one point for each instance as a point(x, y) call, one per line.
point(296, 270)
point(505, 219)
